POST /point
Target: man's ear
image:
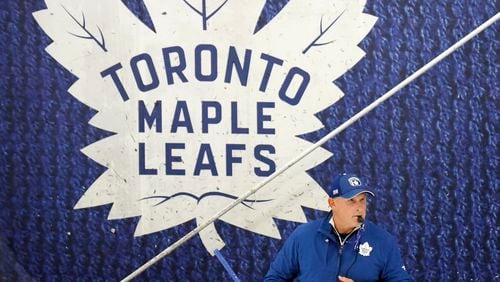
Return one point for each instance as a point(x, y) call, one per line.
point(331, 202)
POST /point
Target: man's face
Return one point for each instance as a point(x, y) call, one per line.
point(347, 211)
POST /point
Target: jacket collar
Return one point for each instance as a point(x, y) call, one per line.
point(326, 227)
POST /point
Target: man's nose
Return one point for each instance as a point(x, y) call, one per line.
point(359, 207)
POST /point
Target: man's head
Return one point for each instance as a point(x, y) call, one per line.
point(347, 199)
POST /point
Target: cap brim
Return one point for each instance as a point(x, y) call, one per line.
point(353, 193)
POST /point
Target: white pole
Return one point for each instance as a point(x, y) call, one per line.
point(330, 135)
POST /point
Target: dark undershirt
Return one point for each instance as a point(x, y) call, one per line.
point(342, 236)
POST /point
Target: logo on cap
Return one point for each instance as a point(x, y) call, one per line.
point(354, 181)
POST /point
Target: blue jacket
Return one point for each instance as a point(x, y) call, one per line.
point(314, 253)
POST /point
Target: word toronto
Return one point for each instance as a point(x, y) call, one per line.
point(206, 69)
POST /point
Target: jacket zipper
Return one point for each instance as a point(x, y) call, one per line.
point(341, 249)
point(339, 263)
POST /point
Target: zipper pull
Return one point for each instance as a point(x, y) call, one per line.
point(341, 249)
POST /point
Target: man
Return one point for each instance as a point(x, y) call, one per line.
point(341, 247)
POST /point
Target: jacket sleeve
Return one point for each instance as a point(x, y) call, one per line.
point(394, 269)
point(285, 266)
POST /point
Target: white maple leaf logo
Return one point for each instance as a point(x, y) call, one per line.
point(204, 107)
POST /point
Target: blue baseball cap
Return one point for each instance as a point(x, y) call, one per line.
point(347, 186)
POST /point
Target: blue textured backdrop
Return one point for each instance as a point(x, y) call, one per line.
point(430, 153)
